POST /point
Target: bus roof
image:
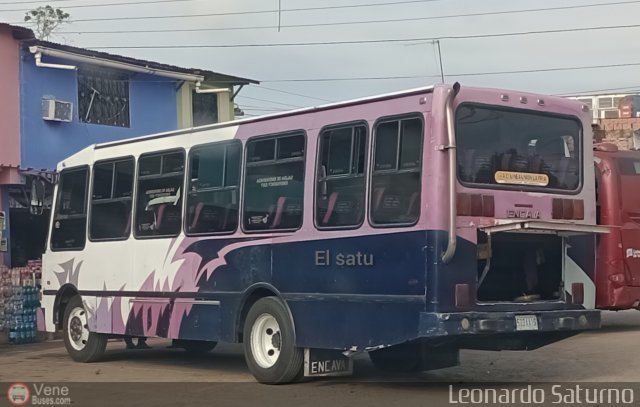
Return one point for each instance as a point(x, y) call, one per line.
point(313, 109)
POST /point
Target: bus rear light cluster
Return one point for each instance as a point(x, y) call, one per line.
point(463, 295)
point(476, 205)
point(577, 293)
point(617, 278)
point(569, 209)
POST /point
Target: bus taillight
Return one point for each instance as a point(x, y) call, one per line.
point(475, 205)
point(568, 209)
point(577, 293)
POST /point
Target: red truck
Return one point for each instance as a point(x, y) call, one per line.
point(618, 205)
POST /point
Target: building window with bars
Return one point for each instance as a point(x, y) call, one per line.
point(103, 97)
point(205, 108)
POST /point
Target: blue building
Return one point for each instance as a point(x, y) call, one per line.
point(70, 98)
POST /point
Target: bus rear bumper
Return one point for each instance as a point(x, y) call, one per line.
point(434, 325)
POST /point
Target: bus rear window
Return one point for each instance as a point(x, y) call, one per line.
point(524, 150)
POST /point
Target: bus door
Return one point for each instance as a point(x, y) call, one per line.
point(630, 206)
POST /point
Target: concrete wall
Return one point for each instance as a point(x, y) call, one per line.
point(10, 102)
point(45, 143)
point(618, 131)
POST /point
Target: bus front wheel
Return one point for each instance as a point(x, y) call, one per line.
point(82, 345)
point(269, 343)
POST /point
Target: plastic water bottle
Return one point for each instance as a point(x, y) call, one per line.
point(23, 333)
point(28, 333)
point(12, 331)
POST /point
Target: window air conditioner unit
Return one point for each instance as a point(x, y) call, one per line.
point(56, 110)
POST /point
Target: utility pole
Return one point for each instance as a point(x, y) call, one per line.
point(437, 42)
point(279, 14)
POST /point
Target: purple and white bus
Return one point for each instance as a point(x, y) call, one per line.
point(407, 225)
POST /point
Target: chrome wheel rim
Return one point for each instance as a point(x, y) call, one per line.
point(266, 341)
point(77, 329)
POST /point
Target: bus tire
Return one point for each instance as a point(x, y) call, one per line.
point(82, 345)
point(269, 343)
point(194, 347)
point(403, 358)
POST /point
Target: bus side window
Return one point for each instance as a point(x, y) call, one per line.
point(212, 200)
point(111, 200)
point(397, 166)
point(274, 183)
point(70, 216)
point(159, 194)
point(340, 189)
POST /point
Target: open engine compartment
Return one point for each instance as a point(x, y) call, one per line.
point(519, 267)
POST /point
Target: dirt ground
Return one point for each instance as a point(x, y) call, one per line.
point(162, 376)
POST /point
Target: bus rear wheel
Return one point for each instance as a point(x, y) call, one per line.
point(82, 345)
point(269, 343)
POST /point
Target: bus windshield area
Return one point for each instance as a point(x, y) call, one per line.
point(629, 169)
point(517, 149)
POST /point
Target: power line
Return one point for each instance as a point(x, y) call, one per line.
point(31, 2)
point(381, 41)
point(354, 22)
point(130, 3)
point(292, 93)
point(570, 68)
point(462, 74)
point(268, 101)
point(254, 12)
point(370, 78)
point(632, 88)
point(262, 110)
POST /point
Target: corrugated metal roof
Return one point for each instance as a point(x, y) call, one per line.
point(27, 37)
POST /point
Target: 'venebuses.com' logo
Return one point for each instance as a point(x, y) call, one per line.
point(18, 394)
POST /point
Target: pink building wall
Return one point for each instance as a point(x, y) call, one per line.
point(9, 120)
point(10, 94)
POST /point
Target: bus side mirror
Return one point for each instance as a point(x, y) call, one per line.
point(37, 197)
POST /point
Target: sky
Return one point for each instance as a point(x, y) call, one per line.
point(471, 61)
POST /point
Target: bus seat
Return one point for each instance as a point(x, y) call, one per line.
point(565, 171)
point(277, 218)
point(330, 207)
point(127, 229)
point(412, 203)
point(196, 215)
point(159, 216)
point(468, 168)
point(505, 163)
point(228, 213)
point(481, 168)
point(535, 164)
point(377, 197)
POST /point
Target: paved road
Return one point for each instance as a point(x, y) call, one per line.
point(162, 376)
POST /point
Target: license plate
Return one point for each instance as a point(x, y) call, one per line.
point(326, 362)
point(526, 323)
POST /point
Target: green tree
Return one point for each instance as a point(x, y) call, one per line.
point(47, 19)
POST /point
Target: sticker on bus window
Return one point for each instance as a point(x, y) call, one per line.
point(522, 178)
